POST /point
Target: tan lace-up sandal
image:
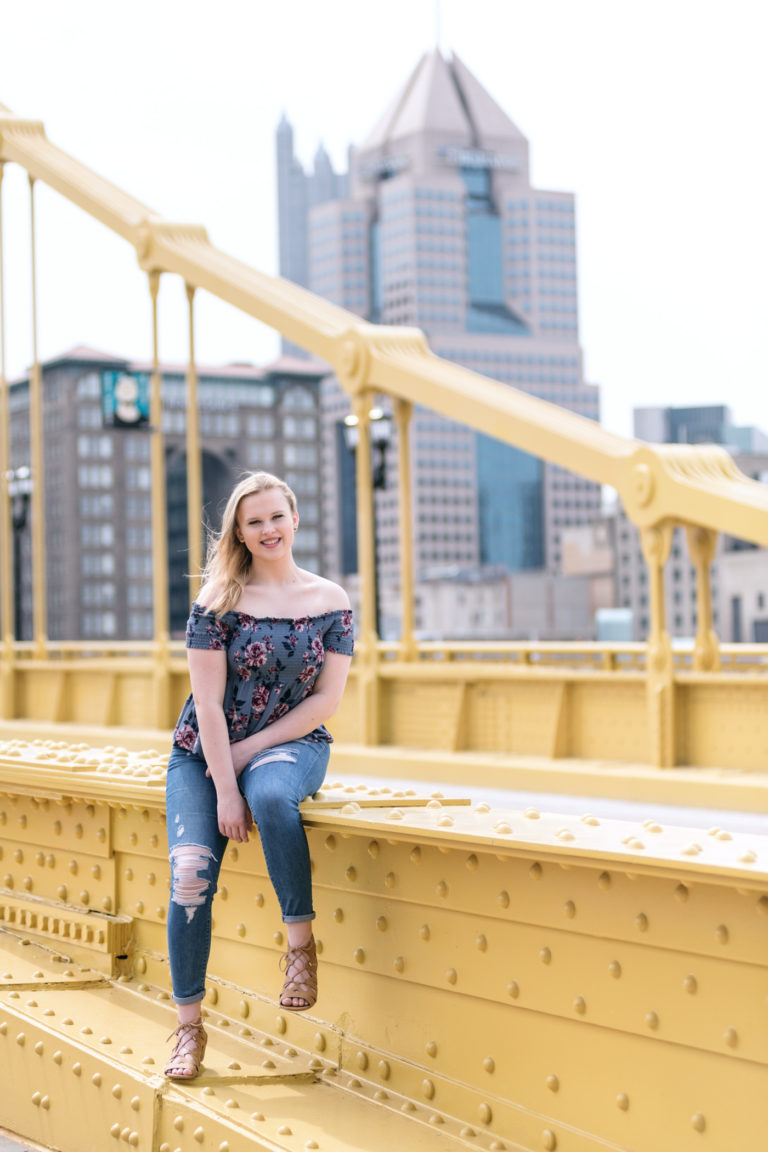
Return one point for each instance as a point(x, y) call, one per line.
point(187, 1057)
point(300, 967)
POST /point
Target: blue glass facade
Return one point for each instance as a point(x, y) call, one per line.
point(487, 310)
point(510, 505)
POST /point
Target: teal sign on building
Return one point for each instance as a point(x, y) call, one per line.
point(125, 399)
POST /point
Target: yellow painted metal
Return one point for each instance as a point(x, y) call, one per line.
point(36, 459)
point(702, 545)
point(160, 607)
point(194, 461)
point(403, 412)
point(489, 979)
point(7, 707)
point(661, 486)
point(689, 484)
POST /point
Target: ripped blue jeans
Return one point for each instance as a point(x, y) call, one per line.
point(273, 784)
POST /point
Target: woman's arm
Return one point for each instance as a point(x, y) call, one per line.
point(208, 674)
point(301, 720)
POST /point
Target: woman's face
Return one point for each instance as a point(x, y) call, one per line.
point(266, 524)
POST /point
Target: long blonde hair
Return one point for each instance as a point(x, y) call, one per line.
point(228, 562)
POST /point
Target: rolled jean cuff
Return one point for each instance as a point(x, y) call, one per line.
point(298, 919)
point(196, 999)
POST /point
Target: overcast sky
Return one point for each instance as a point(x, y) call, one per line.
point(652, 113)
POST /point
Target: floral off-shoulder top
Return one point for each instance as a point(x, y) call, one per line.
point(272, 665)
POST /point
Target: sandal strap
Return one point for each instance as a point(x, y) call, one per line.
point(188, 1052)
point(300, 967)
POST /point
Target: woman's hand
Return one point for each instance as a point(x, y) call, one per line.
point(243, 751)
point(235, 817)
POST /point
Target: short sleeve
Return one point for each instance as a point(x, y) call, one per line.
point(205, 631)
point(339, 635)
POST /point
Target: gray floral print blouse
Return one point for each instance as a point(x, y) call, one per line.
point(272, 665)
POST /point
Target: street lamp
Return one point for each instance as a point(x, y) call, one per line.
point(19, 490)
point(380, 424)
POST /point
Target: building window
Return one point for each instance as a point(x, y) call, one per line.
point(299, 427)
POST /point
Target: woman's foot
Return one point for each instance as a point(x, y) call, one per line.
point(300, 966)
point(187, 1056)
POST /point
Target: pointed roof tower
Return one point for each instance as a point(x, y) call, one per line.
point(441, 104)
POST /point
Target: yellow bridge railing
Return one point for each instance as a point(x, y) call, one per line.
point(661, 486)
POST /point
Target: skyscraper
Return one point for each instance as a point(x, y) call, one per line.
point(443, 229)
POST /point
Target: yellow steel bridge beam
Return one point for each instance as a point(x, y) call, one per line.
point(691, 485)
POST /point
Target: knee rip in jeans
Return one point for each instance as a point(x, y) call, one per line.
point(189, 887)
point(272, 756)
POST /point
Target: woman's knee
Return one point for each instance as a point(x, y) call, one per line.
point(194, 871)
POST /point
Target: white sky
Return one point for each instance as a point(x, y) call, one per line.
point(652, 112)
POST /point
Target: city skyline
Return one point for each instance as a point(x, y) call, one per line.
point(656, 141)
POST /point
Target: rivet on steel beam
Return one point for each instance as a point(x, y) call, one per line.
point(569, 909)
point(117, 1091)
point(135, 1103)
point(77, 1069)
point(330, 843)
point(381, 923)
point(39, 1048)
point(548, 1140)
point(652, 1020)
point(224, 1146)
point(691, 985)
point(604, 881)
point(179, 1123)
point(257, 1117)
point(485, 1113)
point(698, 1122)
point(545, 955)
point(58, 1057)
point(731, 1038)
point(351, 874)
point(96, 1079)
point(311, 1144)
point(468, 1133)
point(532, 814)
point(588, 818)
point(748, 857)
point(553, 1083)
point(442, 889)
point(692, 849)
point(115, 1130)
point(280, 1025)
point(641, 922)
point(615, 969)
point(489, 1064)
point(359, 955)
point(428, 1089)
point(373, 848)
point(513, 989)
point(721, 934)
point(451, 975)
point(199, 1135)
point(580, 1005)
point(502, 827)
point(362, 1061)
point(234, 855)
point(384, 1069)
point(399, 963)
point(320, 1042)
point(21, 1039)
point(535, 871)
point(622, 1101)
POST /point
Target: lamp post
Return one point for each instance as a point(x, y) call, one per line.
point(20, 491)
point(381, 437)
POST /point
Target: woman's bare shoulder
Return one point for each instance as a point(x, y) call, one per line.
point(328, 597)
point(207, 595)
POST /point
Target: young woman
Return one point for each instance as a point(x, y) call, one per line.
point(269, 650)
